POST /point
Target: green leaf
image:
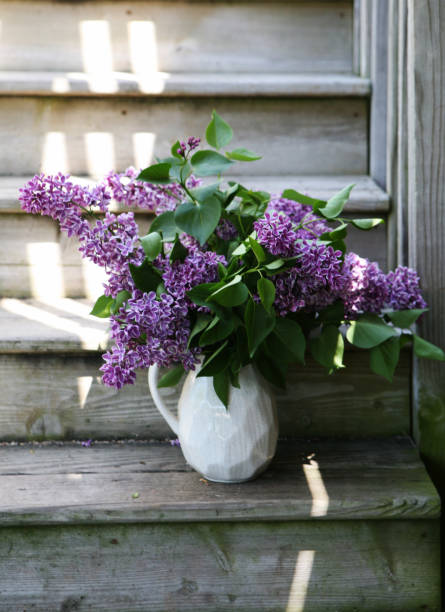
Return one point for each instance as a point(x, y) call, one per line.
point(383, 358)
point(218, 132)
point(222, 271)
point(152, 245)
point(199, 220)
point(266, 291)
point(202, 193)
point(369, 331)
point(178, 252)
point(291, 334)
point(174, 150)
point(335, 205)
point(158, 174)
point(257, 249)
point(221, 385)
point(231, 294)
point(291, 194)
point(366, 224)
point(202, 320)
point(274, 265)
point(405, 318)
point(219, 329)
point(271, 369)
point(425, 349)
point(119, 301)
point(206, 163)
point(102, 307)
point(241, 250)
point(338, 233)
point(165, 224)
point(328, 348)
point(217, 362)
point(259, 324)
point(200, 293)
point(243, 155)
point(145, 277)
point(172, 377)
point(333, 314)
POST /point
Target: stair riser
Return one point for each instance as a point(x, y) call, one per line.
point(174, 36)
point(59, 397)
point(301, 136)
point(45, 263)
point(343, 566)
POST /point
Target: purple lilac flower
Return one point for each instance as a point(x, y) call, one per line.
point(276, 232)
point(365, 287)
point(185, 148)
point(198, 267)
point(299, 213)
point(404, 290)
point(313, 283)
point(113, 243)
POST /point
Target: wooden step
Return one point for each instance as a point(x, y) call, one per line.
point(171, 36)
point(42, 263)
point(49, 373)
point(14, 83)
point(90, 136)
point(331, 525)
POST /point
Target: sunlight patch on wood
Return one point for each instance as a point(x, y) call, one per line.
point(300, 582)
point(320, 497)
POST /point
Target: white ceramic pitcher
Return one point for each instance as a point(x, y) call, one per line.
point(224, 445)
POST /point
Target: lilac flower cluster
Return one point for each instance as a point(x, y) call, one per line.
point(319, 278)
point(156, 330)
point(126, 190)
point(313, 283)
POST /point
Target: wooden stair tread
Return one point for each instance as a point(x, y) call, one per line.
point(308, 480)
point(48, 83)
point(366, 197)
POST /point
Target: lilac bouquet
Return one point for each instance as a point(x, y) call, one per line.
point(227, 276)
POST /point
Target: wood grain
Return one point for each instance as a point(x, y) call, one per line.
point(358, 565)
point(426, 201)
point(174, 36)
point(311, 136)
point(366, 197)
point(307, 481)
point(60, 396)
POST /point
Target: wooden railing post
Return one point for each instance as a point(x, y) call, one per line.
point(426, 215)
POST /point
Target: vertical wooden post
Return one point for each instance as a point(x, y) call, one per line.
point(426, 215)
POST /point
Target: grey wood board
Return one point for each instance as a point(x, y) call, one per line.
point(44, 263)
point(176, 36)
point(358, 565)
point(426, 218)
point(308, 483)
point(61, 397)
point(301, 136)
point(34, 83)
point(366, 197)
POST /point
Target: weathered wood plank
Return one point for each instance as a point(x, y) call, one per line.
point(183, 84)
point(426, 216)
point(176, 36)
point(366, 197)
point(369, 479)
point(61, 397)
point(366, 566)
point(85, 136)
point(39, 262)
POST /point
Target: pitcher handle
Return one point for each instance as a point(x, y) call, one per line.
point(172, 420)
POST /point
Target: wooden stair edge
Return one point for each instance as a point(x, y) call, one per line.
point(367, 197)
point(48, 83)
point(145, 483)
